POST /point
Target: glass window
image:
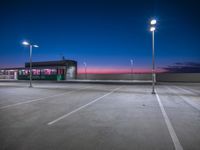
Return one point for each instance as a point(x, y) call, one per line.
point(42, 71)
point(26, 72)
point(47, 71)
point(53, 71)
point(20, 72)
point(36, 71)
point(23, 72)
point(60, 71)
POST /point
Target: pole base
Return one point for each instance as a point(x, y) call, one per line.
point(153, 92)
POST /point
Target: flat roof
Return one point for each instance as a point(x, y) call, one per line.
point(57, 63)
point(13, 68)
point(51, 63)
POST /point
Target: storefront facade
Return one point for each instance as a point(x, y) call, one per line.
point(48, 70)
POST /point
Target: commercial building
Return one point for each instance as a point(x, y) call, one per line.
point(46, 70)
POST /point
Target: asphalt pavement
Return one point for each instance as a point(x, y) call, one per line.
point(84, 116)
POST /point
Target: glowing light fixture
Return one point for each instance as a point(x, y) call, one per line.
point(25, 43)
point(152, 29)
point(35, 46)
point(153, 22)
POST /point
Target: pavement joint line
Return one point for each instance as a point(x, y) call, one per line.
point(193, 104)
point(42, 98)
point(192, 90)
point(182, 89)
point(82, 107)
point(171, 130)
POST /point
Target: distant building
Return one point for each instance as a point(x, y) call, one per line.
point(46, 70)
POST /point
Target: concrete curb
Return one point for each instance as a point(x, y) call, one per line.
point(85, 81)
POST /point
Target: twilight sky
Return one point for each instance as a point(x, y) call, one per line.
point(106, 34)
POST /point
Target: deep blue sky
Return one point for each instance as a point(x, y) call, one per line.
point(105, 34)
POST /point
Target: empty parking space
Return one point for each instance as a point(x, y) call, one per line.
point(98, 116)
point(21, 94)
point(184, 117)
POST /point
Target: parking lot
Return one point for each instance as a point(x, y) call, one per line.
point(78, 116)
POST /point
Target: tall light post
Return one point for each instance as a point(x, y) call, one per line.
point(30, 47)
point(152, 29)
point(85, 65)
point(131, 69)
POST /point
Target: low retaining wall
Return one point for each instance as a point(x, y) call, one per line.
point(178, 77)
point(115, 76)
point(162, 77)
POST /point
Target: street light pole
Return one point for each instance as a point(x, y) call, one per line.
point(30, 69)
point(153, 64)
point(152, 29)
point(131, 69)
point(85, 64)
point(30, 66)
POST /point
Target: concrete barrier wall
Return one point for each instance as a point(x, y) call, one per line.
point(162, 77)
point(178, 77)
point(115, 76)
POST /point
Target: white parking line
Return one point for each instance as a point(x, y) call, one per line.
point(194, 91)
point(172, 133)
point(184, 90)
point(190, 102)
point(78, 109)
point(43, 98)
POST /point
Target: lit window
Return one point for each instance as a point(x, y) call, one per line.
point(36, 71)
point(53, 71)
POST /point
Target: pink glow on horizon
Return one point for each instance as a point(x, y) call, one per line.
point(94, 70)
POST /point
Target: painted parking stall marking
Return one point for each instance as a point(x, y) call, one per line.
point(41, 99)
point(82, 107)
point(171, 130)
point(190, 102)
